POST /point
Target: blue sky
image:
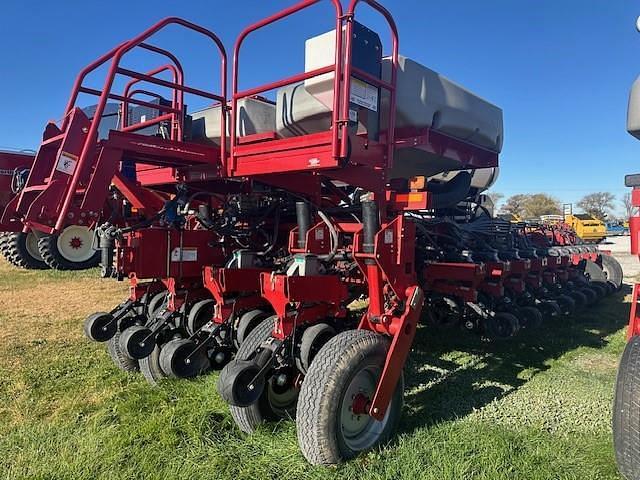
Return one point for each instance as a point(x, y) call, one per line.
point(560, 69)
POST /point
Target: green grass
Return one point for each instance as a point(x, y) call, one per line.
point(537, 407)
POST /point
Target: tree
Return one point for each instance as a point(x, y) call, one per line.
point(532, 205)
point(495, 198)
point(597, 204)
point(514, 205)
point(541, 204)
point(629, 209)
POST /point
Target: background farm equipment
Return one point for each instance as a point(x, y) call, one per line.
point(300, 250)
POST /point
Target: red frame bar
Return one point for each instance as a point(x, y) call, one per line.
point(116, 56)
point(336, 68)
point(177, 119)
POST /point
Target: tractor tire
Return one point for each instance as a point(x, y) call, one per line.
point(71, 249)
point(150, 367)
point(626, 412)
point(347, 367)
point(122, 361)
point(613, 271)
point(264, 410)
point(21, 250)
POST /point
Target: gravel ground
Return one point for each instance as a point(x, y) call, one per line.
point(619, 247)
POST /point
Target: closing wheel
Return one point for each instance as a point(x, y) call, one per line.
point(122, 361)
point(313, 339)
point(591, 295)
point(579, 298)
point(155, 304)
point(240, 385)
point(71, 249)
point(443, 313)
point(567, 304)
point(529, 317)
point(276, 401)
point(550, 308)
point(199, 315)
point(100, 326)
point(600, 289)
point(21, 250)
point(137, 342)
point(501, 325)
point(178, 360)
point(332, 419)
point(248, 321)
point(626, 412)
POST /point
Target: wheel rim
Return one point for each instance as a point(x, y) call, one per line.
point(359, 430)
point(281, 399)
point(75, 243)
point(31, 244)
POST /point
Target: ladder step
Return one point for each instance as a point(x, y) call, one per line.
point(34, 188)
point(56, 139)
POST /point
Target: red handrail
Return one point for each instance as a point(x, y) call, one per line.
point(391, 87)
point(116, 56)
point(341, 96)
point(177, 101)
point(340, 126)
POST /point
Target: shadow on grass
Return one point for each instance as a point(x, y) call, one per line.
point(449, 374)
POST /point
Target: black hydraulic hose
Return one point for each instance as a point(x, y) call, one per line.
point(370, 225)
point(304, 222)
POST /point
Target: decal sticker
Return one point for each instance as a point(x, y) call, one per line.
point(364, 94)
point(184, 255)
point(67, 163)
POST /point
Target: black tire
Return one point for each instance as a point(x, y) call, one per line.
point(122, 361)
point(501, 326)
point(249, 418)
point(137, 342)
point(529, 317)
point(247, 322)
point(567, 304)
point(200, 314)
point(14, 247)
point(173, 361)
point(313, 339)
point(626, 412)
point(600, 289)
point(592, 296)
point(100, 326)
point(325, 399)
point(579, 298)
point(613, 271)
point(441, 315)
point(550, 308)
point(48, 246)
point(155, 304)
point(150, 367)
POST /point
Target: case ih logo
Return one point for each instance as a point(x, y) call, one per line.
point(8, 173)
